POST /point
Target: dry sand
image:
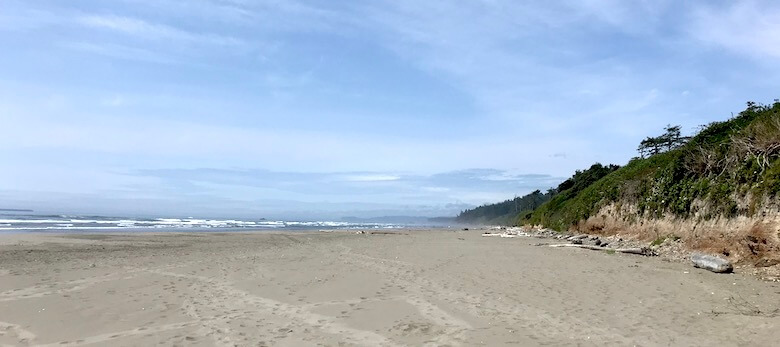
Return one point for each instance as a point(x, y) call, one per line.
point(424, 287)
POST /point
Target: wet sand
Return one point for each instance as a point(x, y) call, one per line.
point(421, 287)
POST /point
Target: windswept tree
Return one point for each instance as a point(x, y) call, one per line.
point(671, 139)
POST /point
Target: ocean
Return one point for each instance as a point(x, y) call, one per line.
point(29, 222)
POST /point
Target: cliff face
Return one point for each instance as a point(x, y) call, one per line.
point(719, 192)
point(753, 239)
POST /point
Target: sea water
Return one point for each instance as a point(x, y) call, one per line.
point(22, 222)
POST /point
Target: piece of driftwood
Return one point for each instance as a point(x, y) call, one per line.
point(387, 233)
point(711, 263)
point(640, 251)
point(574, 245)
point(491, 234)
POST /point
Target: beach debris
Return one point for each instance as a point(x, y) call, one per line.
point(387, 233)
point(512, 232)
point(646, 251)
point(360, 232)
point(766, 262)
point(508, 232)
point(711, 262)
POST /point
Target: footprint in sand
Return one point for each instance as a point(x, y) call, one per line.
point(414, 328)
point(15, 333)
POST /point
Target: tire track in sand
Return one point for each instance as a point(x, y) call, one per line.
point(519, 314)
point(453, 328)
point(223, 295)
point(121, 334)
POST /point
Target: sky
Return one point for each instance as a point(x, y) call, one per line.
point(318, 109)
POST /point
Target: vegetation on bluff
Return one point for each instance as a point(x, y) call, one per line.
point(505, 212)
point(729, 168)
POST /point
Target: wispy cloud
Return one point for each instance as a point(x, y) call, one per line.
point(462, 186)
point(745, 27)
point(508, 55)
point(271, 16)
point(372, 178)
point(277, 194)
point(18, 17)
point(150, 31)
point(114, 101)
point(120, 52)
point(287, 148)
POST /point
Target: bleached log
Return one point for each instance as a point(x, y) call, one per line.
point(639, 251)
point(387, 233)
point(577, 237)
point(580, 246)
point(710, 262)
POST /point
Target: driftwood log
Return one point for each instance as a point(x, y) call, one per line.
point(711, 263)
point(577, 237)
point(640, 250)
point(387, 233)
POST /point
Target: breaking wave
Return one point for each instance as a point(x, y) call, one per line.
point(98, 223)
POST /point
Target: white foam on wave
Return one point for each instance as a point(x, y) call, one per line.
point(98, 223)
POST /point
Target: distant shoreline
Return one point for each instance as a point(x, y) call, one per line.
point(15, 210)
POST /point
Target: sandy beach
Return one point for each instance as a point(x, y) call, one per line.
point(417, 287)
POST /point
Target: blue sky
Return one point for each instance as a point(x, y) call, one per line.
point(296, 109)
